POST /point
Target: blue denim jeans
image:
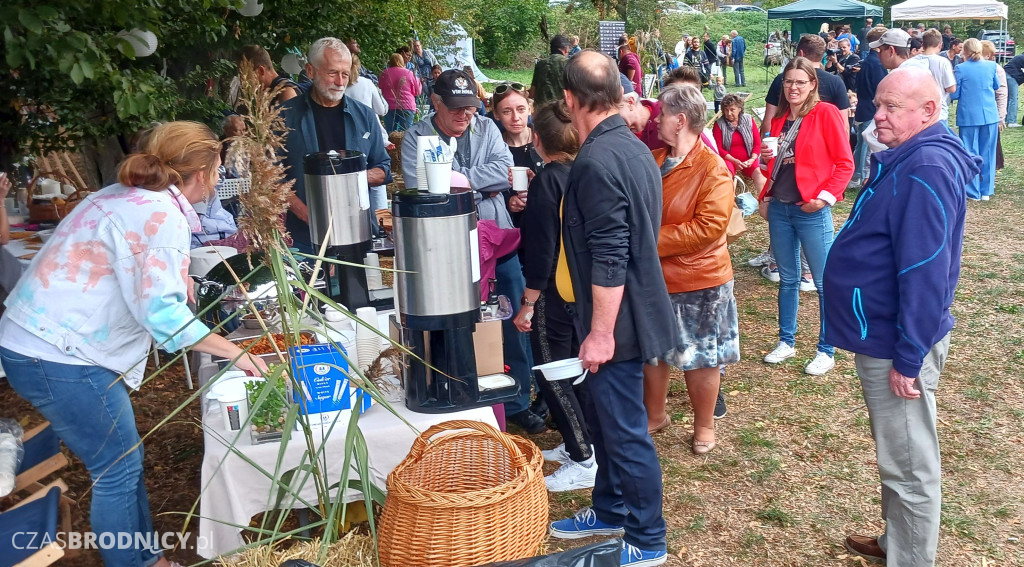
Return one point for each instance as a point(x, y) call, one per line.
point(627, 490)
point(791, 230)
point(398, 120)
point(860, 153)
point(89, 409)
point(739, 78)
point(517, 351)
point(1011, 100)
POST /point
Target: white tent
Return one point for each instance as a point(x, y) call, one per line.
point(459, 52)
point(950, 10)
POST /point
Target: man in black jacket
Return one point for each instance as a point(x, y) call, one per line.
point(611, 217)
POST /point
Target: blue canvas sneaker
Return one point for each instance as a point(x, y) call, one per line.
point(636, 557)
point(584, 524)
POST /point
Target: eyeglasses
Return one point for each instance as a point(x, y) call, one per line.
point(800, 84)
point(504, 87)
point(461, 110)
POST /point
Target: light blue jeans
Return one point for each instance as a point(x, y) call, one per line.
point(981, 141)
point(791, 230)
point(739, 77)
point(89, 409)
point(1011, 100)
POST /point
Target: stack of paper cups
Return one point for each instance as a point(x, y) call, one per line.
point(424, 145)
point(374, 278)
point(367, 340)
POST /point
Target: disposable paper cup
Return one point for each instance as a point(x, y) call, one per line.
point(234, 408)
point(439, 176)
point(519, 179)
point(771, 143)
point(566, 369)
point(369, 316)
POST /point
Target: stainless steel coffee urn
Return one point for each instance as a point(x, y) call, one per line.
point(338, 198)
point(438, 284)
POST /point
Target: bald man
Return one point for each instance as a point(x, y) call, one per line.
point(889, 283)
point(612, 273)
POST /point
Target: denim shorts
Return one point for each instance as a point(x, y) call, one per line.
point(708, 327)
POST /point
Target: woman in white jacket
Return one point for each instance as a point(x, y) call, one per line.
point(79, 324)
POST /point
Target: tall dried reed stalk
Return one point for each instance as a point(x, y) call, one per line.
point(261, 146)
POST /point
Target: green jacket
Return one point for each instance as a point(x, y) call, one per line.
point(547, 79)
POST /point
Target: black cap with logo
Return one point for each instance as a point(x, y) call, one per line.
point(456, 89)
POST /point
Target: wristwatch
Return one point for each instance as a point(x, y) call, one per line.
point(526, 302)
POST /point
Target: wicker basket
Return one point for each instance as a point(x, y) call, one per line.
point(472, 496)
point(55, 209)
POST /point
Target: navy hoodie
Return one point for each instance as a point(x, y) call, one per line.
point(893, 268)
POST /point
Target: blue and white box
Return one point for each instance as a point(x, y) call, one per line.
point(325, 390)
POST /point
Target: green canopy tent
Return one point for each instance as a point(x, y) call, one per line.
point(808, 15)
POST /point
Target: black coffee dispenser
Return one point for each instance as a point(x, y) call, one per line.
point(438, 286)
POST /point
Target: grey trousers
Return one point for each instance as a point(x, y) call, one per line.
point(907, 447)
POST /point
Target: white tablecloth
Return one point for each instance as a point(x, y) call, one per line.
point(236, 491)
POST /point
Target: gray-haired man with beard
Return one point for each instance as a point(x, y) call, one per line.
point(323, 119)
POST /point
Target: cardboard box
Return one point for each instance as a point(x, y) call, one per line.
point(487, 342)
point(322, 374)
point(487, 345)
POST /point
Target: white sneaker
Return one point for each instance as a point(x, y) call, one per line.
point(1013, 125)
point(770, 274)
point(556, 455)
point(984, 197)
point(572, 476)
point(761, 259)
point(781, 352)
point(821, 364)
point(807, 285)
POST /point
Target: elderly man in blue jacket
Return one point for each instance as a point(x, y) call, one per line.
point(739, 50)
point(889, 282)
point(323, 119)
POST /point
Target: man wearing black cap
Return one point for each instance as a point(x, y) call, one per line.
point(482, 156)
point(547, 73)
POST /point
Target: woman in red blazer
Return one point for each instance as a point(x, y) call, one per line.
point(808, 170)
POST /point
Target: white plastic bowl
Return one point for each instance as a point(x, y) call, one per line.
point(566, 369)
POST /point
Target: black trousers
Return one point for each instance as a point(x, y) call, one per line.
point(554, 338)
